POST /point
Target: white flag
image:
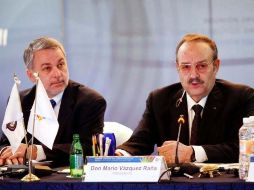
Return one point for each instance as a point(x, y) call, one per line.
point(43, 118)
point(13, 124)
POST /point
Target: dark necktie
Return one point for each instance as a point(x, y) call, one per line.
point(53, 102)
point(195, 123)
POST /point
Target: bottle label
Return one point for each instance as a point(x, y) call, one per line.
point(247, 146)
point(76, 165)
point(76, 161)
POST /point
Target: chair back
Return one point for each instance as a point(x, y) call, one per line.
point(122, 133)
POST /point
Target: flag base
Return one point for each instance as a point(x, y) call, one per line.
point(30, 178)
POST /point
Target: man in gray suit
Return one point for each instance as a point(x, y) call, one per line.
point(79, 109)
point(222, 105)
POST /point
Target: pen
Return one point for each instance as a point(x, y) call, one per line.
point(93, 145)
point(97, 149)
point(188, 175)
point(107, 145)
point(100, 143)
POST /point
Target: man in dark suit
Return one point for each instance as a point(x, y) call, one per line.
point(79, 109)
point(214, 138)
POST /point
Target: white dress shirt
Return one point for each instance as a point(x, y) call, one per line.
point(200, 153)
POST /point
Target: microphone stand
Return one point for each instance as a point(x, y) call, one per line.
point(183, 168)
point(31, 177)
point(175, 168)
point(180, 121)
point(178, 169)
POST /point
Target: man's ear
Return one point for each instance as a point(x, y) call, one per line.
point(177, 66)
point(30, 75)
point(216, 65)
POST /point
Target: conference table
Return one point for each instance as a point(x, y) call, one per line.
point(62, 182)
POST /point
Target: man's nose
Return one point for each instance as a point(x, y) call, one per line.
point(56, 72)
point(193, 71)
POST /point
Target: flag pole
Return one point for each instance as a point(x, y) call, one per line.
point(17, 82)
point(30, 177)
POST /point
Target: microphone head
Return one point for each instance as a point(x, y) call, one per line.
point(181, 120)
point(36, 75)
point(178, 102)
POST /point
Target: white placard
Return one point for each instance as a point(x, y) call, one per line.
point(125, 169)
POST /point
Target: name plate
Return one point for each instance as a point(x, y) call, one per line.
point(125, 169)
point(251, 170)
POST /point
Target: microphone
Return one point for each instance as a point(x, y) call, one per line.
point(180, 121)
point(183, 168)
point(19, 171)
point(179, 101)
point(14, 171)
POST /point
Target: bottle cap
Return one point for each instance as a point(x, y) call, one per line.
point(251, 119)
point(75, 136)
point(246, 120)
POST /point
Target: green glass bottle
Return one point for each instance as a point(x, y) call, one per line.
point(76, 158)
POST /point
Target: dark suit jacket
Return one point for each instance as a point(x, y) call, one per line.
point(225, 108)
point(81, 111)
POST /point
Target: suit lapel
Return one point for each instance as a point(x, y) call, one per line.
point(213, 105)
point(66, 110)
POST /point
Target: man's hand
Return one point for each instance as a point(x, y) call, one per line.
point(7, 157)
point(33, 151)
point(18, 157)
point(168, 150)
point(6, 153)
point(117, 153)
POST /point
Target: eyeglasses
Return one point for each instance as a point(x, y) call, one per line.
point(201, 67)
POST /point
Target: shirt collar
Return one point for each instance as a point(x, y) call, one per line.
point(191, 102)
point(58, 97)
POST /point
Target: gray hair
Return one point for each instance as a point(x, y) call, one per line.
point(40, 44)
